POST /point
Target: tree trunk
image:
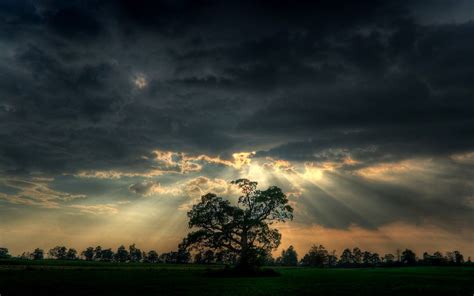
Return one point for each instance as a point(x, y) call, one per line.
point(245, 260)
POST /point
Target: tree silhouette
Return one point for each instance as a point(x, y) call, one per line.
point(242, 229)
point(98, 253)
point(122, 254)
point(346, 257)
point(289, 257)
point(135, 253)
point(152, 257)
point(370, 259)
point(408, 257)
point(332, 258)
point(38, 254)
point(107, 255)
point(169, 257)
point(88, 253)
point(437, 258)
point(389, 258)
point(4, 253)
point(317, 256)
point(71, 254)
point(458, 257)
point(357, 255)
point(58, 252)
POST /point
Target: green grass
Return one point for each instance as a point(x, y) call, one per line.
point(50, 277)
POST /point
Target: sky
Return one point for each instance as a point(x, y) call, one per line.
point(116, 116)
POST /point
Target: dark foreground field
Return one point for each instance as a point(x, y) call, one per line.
point(83, 278)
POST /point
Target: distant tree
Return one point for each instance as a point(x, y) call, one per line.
point(170, 257)
point(26, 255)
point(135, 253)
point(370, 259)
point(366, 255)
point(388, 258)
point(71, 254)
point(58, 252)
point(317, 256)
point(408, 257)
point(98, 253)
point(435, 259)
point(267, 259)
point(4, 253)
point(152, 257)
point(107, 255)
point(450, 257)
point(332, 258)
point(346, 258)
point(289, 257)
point(426, 256)
point(243, 229)
point(357, 255)
point(38, 254)
point(375, 259)
point(88, 253)
point(122, 254)
point(458, 257)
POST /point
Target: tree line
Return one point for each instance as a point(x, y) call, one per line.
point(317, 256)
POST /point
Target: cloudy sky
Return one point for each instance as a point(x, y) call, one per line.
point(115, 116)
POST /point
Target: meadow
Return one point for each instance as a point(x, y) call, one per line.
point(55, 277)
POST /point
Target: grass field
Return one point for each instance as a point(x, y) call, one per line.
point(97, 278)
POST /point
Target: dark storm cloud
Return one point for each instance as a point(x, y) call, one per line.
point(292, 80)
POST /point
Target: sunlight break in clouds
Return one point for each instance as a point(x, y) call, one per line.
point(170, 162)
point(464, 158)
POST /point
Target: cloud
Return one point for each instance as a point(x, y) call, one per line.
point(200, 186)
point(101, 209)
point(170, 162)
point(464, 158)
point(147, 188)
point(36, 193)
point(376, 78)
point(192, 189)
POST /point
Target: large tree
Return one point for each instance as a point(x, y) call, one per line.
point(243, 229)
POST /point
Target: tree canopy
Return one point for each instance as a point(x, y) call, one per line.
point(243, 229)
